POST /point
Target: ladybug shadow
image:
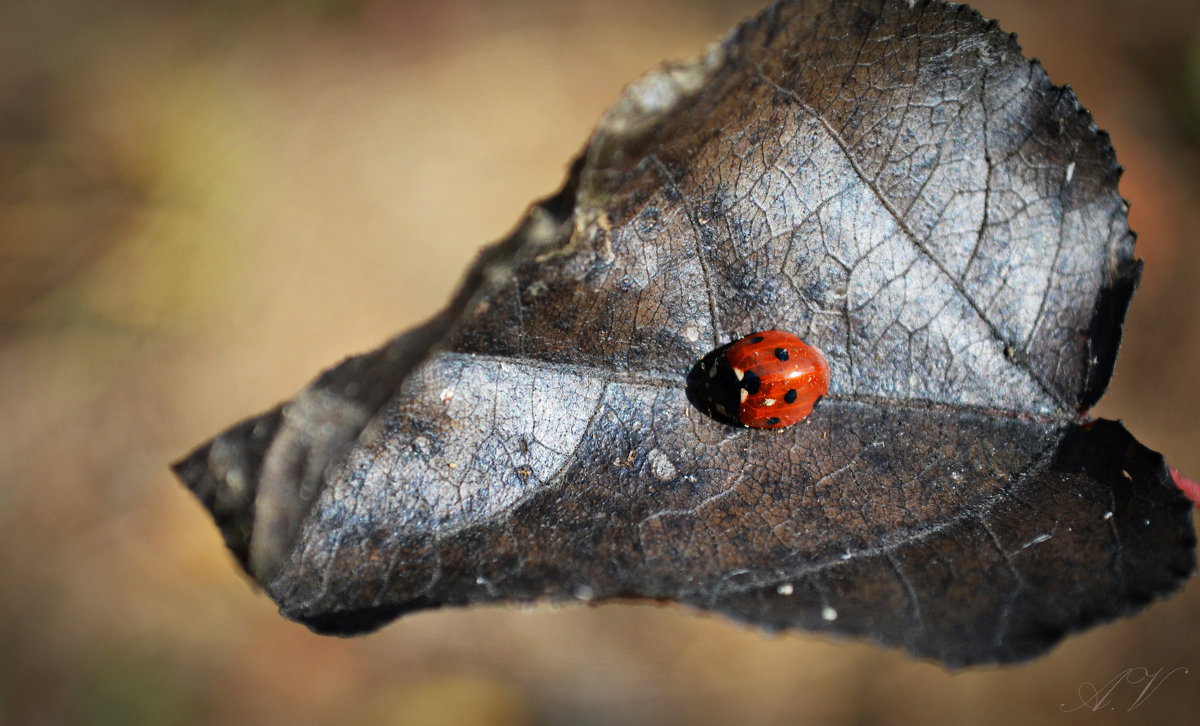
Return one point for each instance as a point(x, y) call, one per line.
point(713, 389)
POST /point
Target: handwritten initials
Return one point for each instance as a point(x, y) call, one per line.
point(1093, 698)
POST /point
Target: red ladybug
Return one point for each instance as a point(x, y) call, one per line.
point(766, 380)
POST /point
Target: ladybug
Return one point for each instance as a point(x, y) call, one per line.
point(766, 380)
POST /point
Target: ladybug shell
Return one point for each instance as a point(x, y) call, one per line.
point(778, 376)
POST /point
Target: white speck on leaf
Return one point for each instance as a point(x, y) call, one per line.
point(235, 479)
point(828, 614)
point(1070, 172)
point(661, 465)
point(785, 589)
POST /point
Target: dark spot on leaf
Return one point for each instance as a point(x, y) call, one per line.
point(864, 21)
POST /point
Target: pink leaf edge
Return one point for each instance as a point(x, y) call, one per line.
point(1189, 488)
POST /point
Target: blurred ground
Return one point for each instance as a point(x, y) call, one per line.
point(202, 204)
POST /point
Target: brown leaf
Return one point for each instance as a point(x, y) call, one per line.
point(895, 183)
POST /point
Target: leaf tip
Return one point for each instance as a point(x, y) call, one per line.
point(223, 475)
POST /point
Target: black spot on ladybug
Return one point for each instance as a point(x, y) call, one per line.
point(781, 354)
point(773, 421)
point(790, 396)
point(751, 382)
point(757, 339)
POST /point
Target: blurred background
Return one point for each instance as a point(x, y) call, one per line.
point(204, 203)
